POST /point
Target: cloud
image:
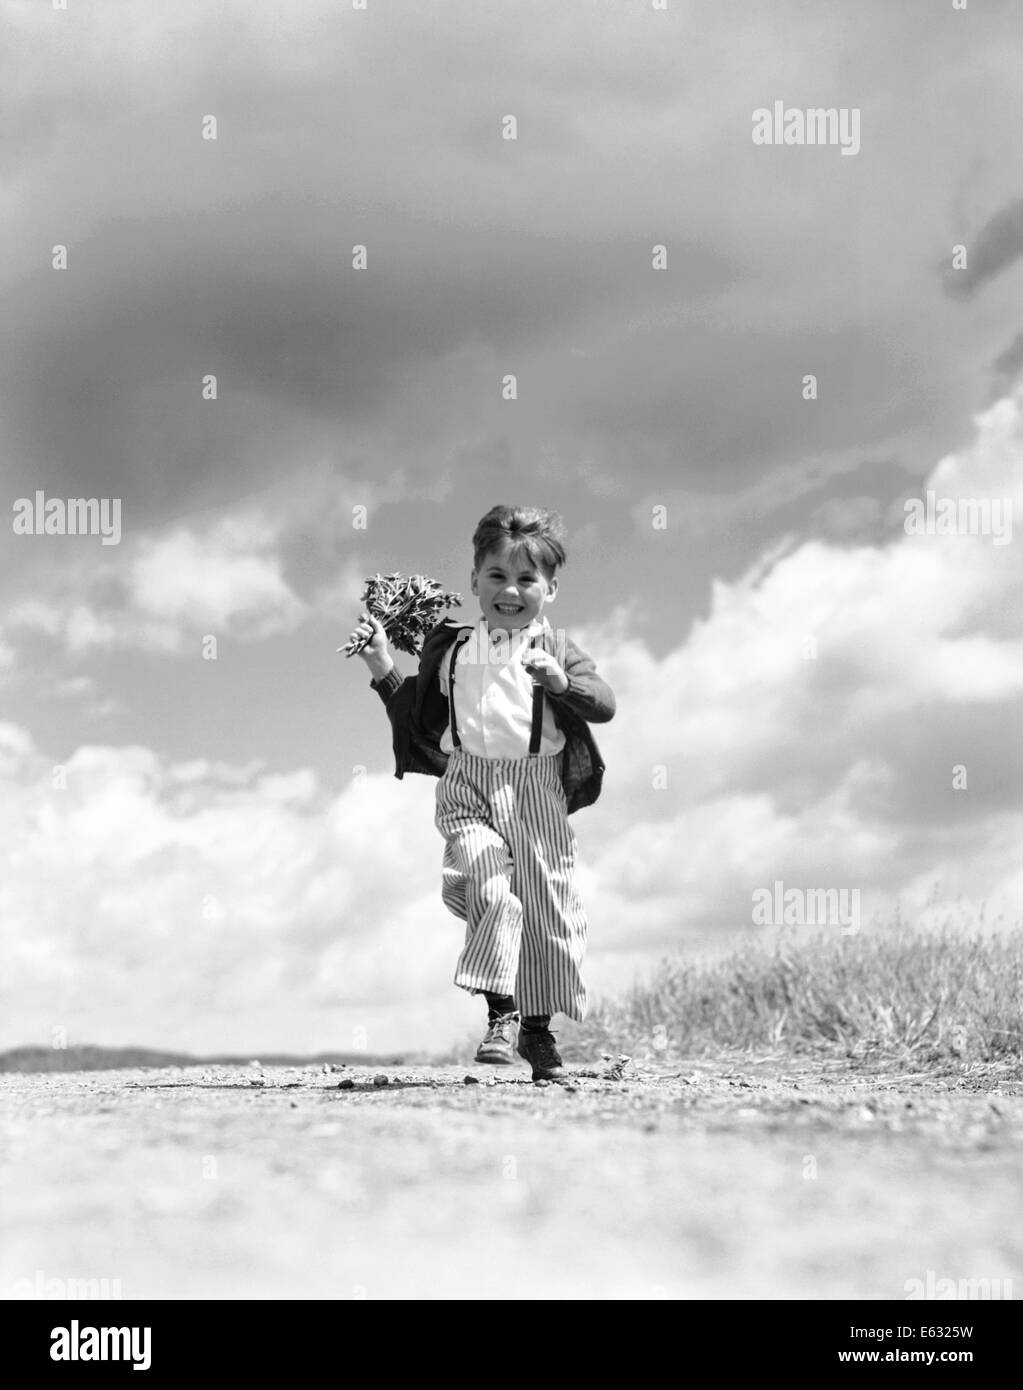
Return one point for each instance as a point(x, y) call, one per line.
point(234, 256)
point(210, 904)
point(223, 578)
point(1007, 367)
point(809, 726)
point(168, 591)
point(894, 626)
point(998, 245)
point(786, 493)
point(259, 570)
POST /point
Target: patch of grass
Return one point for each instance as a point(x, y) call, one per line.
point(904, 993)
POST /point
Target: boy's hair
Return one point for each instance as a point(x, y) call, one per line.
point(539, 532)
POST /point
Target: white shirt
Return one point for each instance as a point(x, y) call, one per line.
point(494, 695)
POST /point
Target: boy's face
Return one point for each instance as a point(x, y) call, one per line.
point(511, 589)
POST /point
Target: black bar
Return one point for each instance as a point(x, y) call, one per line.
point(783, 1339)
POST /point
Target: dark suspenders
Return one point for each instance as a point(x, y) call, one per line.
point(460, 638)
point(536, 727)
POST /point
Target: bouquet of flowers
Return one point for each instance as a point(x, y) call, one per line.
point(406, 609)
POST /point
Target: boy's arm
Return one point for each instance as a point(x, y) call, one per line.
point(410, 753)
point(397, 695)
point(372, 648)
point(587, 695)
point(390, 684)
point(387, 679)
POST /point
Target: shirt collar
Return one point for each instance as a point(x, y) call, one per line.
point(535, 628)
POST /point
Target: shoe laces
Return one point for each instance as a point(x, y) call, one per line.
point(500, 1030)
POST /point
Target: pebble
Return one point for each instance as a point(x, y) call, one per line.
point(381, 1080)
point(470, 1081)
point(347, 1085)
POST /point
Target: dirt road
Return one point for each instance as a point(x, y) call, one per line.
point(735, 1180)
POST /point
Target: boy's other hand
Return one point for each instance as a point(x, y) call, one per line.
point(545, 669)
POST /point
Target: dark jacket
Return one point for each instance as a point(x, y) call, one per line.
point(418, 711)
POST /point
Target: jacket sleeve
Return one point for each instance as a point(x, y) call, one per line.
point(390, 684)
point(398, 695)
point(587, 695)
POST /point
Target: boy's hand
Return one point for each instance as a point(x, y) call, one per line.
point(374, 653)
point(544, 668)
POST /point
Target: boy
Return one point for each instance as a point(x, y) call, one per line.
point(500, 713)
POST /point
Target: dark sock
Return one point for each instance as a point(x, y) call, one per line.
point(498, 1004)
point(536, 1023)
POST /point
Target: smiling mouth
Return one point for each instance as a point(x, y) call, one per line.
point(508, 608)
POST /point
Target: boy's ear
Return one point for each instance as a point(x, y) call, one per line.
point(472, 583)
point(552, 590)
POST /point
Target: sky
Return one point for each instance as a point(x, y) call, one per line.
point(214, 854)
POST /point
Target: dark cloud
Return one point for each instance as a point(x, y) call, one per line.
point(997, 245)
point(104, 393)
point(484, 258)
point(1007, 367)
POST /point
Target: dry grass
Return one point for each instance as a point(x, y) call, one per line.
point(903, 993)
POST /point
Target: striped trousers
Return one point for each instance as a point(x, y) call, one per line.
point(508, 872)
